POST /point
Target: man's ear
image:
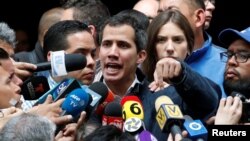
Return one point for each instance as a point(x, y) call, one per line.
point(200, 17)
point(141, 56)
point(92, 30)
point(49, 56)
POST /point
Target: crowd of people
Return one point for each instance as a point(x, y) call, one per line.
point(157, 48)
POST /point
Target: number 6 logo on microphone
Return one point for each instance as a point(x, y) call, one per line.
point(132, 109)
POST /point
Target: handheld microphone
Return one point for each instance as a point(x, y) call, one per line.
point(169, 116)
point(132, 107)
point(72, 62)
point(245, 117)
point(34, 87)
point(195, 128)
point(76, 102)
point(98, 92)
point(103, 103)
point(55, 91)
point(113, 115)
point(241, 96)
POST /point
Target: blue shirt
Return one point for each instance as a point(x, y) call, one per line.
point(206, 61)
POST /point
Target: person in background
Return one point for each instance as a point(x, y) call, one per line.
point(91, 12)
point(73, 37)
point(210, 7)
point(36, 56)
point(236, 75)
point(170, 42)
point(23, 41)
point(205, 58)
point(7, 38)
point(147, 7)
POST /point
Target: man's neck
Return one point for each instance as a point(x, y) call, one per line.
point(120, 88)
point(199, 41)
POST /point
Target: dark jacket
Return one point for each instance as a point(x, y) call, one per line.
point(35, 56)
point(196, 96)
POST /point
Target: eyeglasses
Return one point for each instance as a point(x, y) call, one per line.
point(240, 57)
point(207, 1)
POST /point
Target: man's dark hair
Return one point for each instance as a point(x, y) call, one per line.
point(55, 38)
point(142, 19)
point(92, 12)
point(125, 19)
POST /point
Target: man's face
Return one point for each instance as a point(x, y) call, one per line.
point(182, 6)
point(9, 92)
point(210, 7)
point(82, 42)
point(8, 65)
point(118, 54)
point(237, 75)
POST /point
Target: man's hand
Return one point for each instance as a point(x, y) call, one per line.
point(8, 113)
point(229, 111)
point(51, 110)
point(22, 69)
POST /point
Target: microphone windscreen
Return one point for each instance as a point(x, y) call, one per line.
point(75, 102)
point(100, 89)
point(241, 96)
point(75, 62)
point(132, 107)
point(129, 98)
point(34, 87)
point(162, 100)
point(113, 109)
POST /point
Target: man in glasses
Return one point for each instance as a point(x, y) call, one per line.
point(236, 76)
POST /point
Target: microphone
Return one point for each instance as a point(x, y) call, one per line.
point(169, 116)
point(34, 87)
point(103, 103)
point(132, 107)
point(195, 128)
point(98, 92)
point(245, 117)
point(113, 115)
point(57, 91)
point(72, 62)
point(133, 115)
point(241, 96)
point(75, 102)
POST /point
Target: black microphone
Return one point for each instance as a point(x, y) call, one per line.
point(98, 92)
point(245, 117)
point(113, 115)
point(72, 62)
point(34, 87)
point(241, 96)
